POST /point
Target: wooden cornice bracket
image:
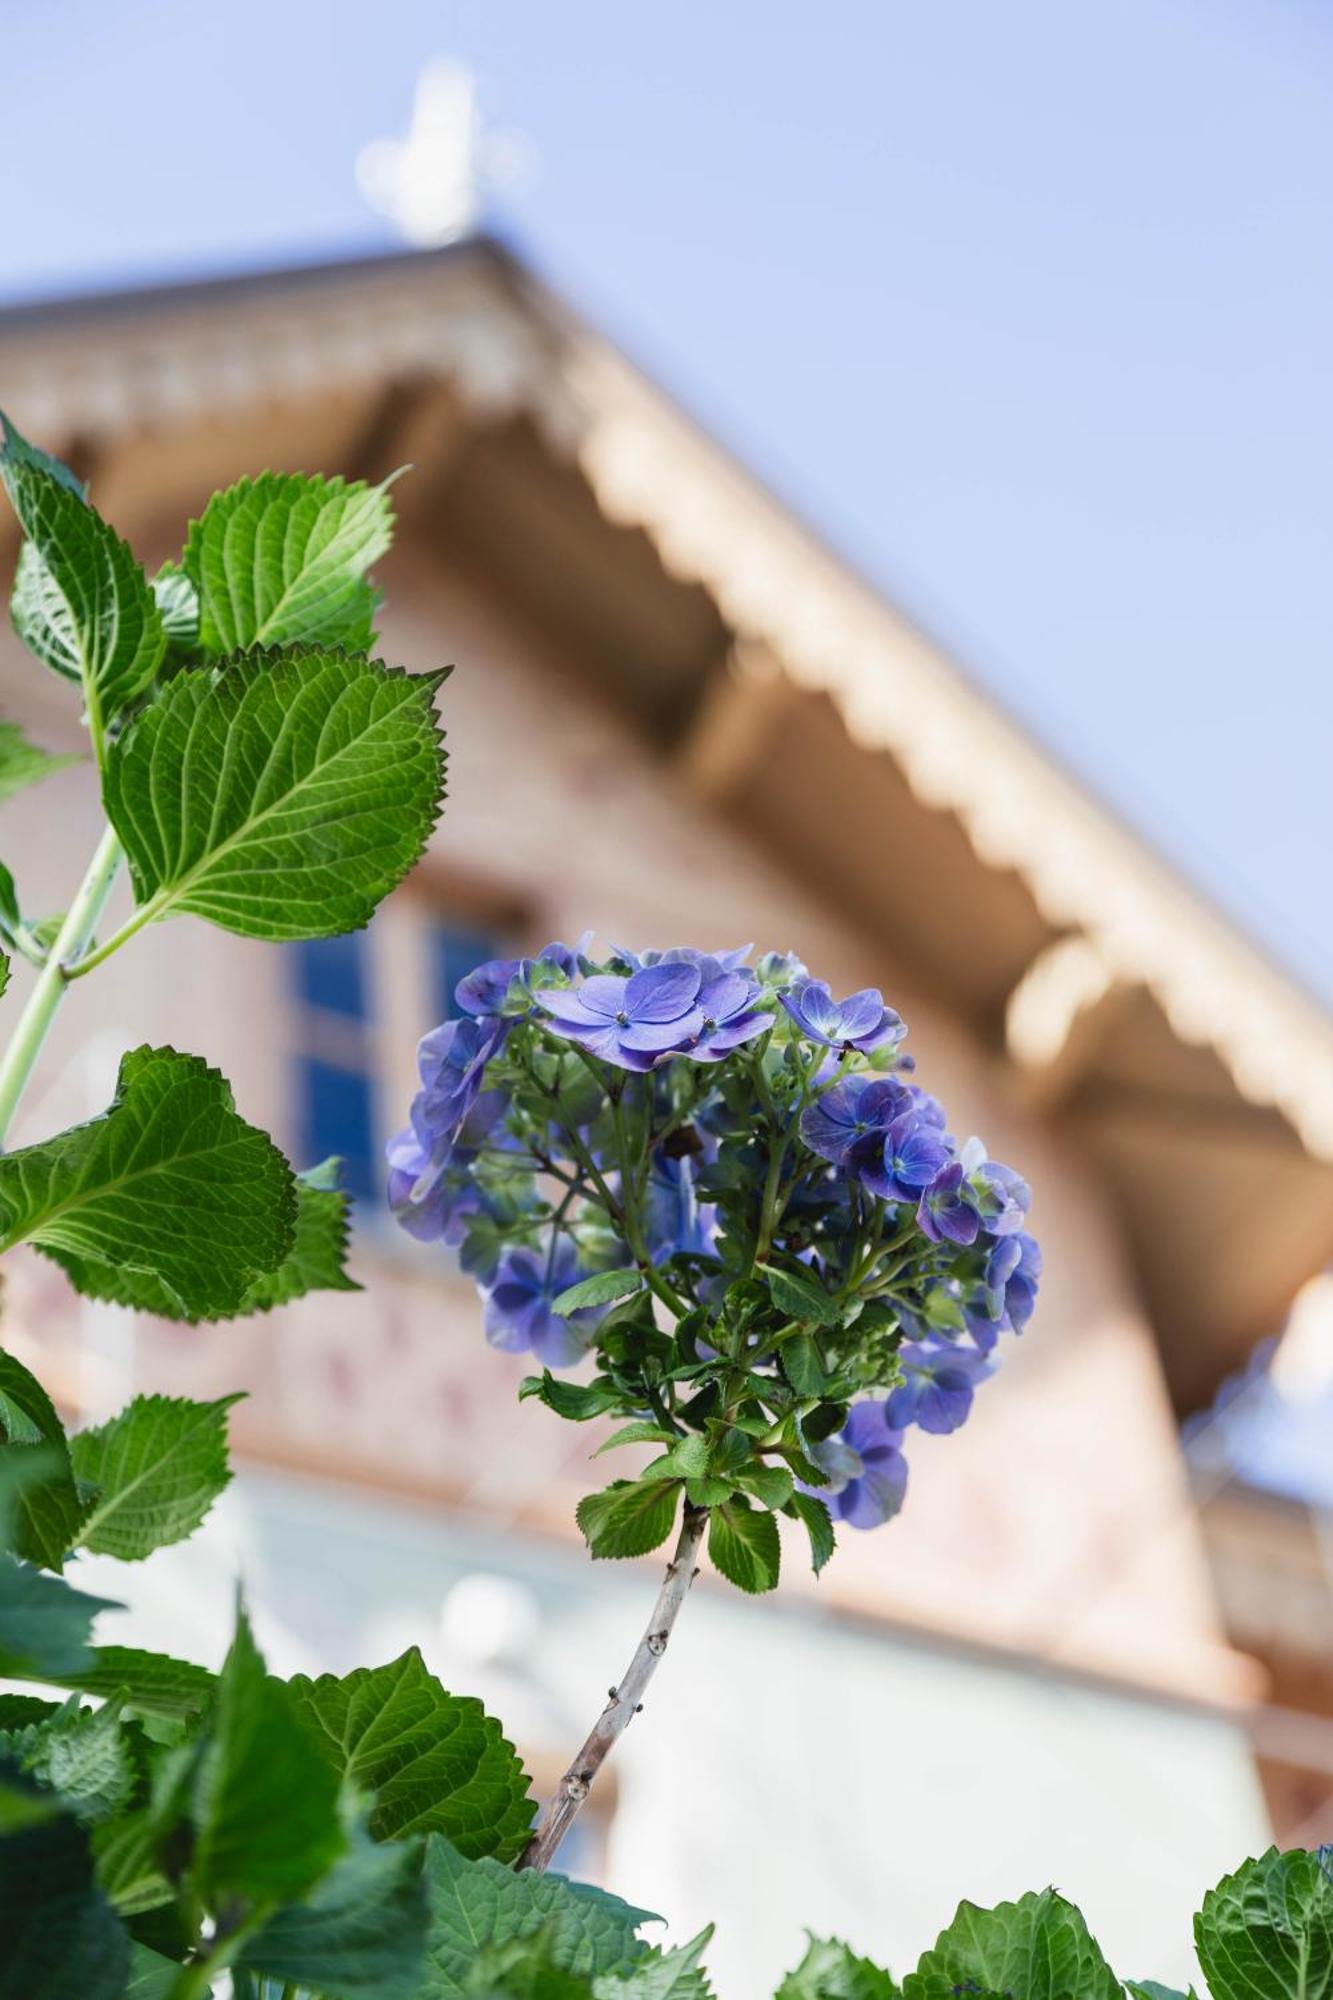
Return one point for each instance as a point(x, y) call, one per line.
point(1058, 1016)
point(742, 707)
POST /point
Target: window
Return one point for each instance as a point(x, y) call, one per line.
point(335, 1097)
point(339, 1104)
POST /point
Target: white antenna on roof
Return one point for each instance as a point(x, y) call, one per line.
point(432, 183)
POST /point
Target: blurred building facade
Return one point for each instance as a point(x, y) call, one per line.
point(675, 716)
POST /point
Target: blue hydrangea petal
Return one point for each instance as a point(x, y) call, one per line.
point(658, 1036)
point(662, 992)
point(861, 1014)
point(876, 1496)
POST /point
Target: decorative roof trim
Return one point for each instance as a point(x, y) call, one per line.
point(499, 335)
point(896, 692)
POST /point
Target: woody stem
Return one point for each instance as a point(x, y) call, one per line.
point(561, 1810)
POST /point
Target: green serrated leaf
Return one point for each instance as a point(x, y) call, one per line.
point(265, 1797)
point(830, 1970)
point(802, 1366)
point(23, 1711)
point(801, 1296)
point(46, 1509)
point(708, 1492)
point(638, 1432)
point(81, 603)
point(157, 1468)
point(1039, 1947)
point(522, 1970)
point(360, 1931)
point(87, 1756)
point(628, 1518)
point(168, 1200)
point(285, 557)
point(743, 1542)
point(281, 794)
point(599, 1290)
point(319, 1246)
point(31, 458)
point(1149, 1989)
point(818, 1525)
point(687, 1459)
point(22, 763)
point(125, 1852)
point(436, 1762)
point(578, 1401)
point(1268, 1929)
point(152, 1683)
point(661, 1975)
point(60, 1935)
point(770, 1485)
point(476, 1904)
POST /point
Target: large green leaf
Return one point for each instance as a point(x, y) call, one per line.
point(315, 1261)
point(44, 1624)
point(81, 603)
point(282, 794)
point(1039, 1947)
point(744, 1544)
point(284, 557)
point(831, 1970)
point(818, 1524)
point(152, 1683)
point(436, 1762)
point(628, 1518)
point(264, 1797)
point(168, 1200)
point(22, 763)
point(45, 1509)
point(1266, 1932)
point(361, 1930)
point(59, 1936)
point(157, 1468)
point(475, 1904)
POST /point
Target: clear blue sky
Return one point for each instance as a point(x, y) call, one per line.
point(1029, 307)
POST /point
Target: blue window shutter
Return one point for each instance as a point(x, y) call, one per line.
point(338, 1117)
point(330, 974)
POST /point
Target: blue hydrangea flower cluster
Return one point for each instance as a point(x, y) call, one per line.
point(803, 1257)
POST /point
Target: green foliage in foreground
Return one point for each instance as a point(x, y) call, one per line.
point(356, 1835)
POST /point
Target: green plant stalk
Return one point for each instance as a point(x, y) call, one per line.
point(34, 1023)
point(146, 913)
point(195, 1979)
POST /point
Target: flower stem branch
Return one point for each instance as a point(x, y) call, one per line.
point(625, 1700)
point(34, 1022)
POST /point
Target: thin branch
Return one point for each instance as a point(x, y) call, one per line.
point(625, 1700)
